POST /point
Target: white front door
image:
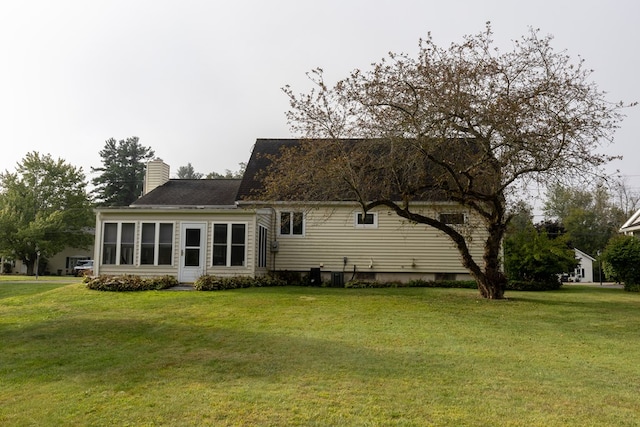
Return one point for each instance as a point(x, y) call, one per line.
point(193, 237)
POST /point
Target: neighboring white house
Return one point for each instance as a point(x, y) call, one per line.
point(584, 270)
point(187, 228)
point(632, 226)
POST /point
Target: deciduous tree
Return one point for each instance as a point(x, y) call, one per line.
point(468, 121)
point(588, 216)
point(622, 257)
point(44, 207)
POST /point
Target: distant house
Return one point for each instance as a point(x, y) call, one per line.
point(584, 270)
point(632, 226)
point(59, 264)
point(187, 228)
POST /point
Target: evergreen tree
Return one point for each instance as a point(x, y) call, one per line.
point(187, 172)
point(122, 174)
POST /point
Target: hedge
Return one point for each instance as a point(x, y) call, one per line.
point(128, 283)
point(217, 283)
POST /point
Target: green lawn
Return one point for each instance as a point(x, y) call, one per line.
point(312, 356)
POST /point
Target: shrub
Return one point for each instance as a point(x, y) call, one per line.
point(464, 284)
point(622, 255)
point(293, 278)
point(528, 285)
point(217, 283)
point(532, 256)
point(127, 283)
point(370, 284)
point(517, 285)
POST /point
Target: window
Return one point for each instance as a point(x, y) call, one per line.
point(291, 223)
point(237, 244)
point(126, 243)
point(109, 243)
point(156, 239)
point(165, 244)
point(229, 245)
point(366, 220)
point(220, 244)
point(452, 218)
point(262, 246)
point(118, 242)
point(148, 244)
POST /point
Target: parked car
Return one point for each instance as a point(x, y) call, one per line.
point(82, 267)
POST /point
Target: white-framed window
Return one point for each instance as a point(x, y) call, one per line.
point(229, 244)
point(118, 239)
point(262, 246)
point(156, 243)
point(291, 223)
point(453, 218)
point(365, 220)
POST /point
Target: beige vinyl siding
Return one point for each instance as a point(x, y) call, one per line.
point(396, 245)
point(177, 217)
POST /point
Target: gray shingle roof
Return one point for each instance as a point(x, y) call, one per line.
point(192, 192)
point(263, 151)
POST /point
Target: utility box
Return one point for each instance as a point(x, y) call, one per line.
point(337, 279)
point(315, 278)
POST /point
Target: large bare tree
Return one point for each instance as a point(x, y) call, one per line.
point(468, 123)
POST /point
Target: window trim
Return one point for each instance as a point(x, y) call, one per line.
point(291, 234)
point(358, 224)
point(229, 245)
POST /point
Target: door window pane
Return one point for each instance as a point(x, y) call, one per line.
point(192, 237)
point(192, 257)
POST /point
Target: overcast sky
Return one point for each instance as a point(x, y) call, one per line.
point(198, 81)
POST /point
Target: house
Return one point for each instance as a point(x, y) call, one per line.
point(584, 270)
point(60, 264)
point(632, 226)
point(187, 228)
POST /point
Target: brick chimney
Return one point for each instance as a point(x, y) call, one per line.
point(157, 173)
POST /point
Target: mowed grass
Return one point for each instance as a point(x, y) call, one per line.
point(318, 357)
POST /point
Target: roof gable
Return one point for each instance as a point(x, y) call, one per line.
point(192, 192)
point(632, 223)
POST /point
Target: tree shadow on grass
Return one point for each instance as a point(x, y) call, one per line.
point(136, 352)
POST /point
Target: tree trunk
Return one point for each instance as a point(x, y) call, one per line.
point(492, 282)
point(30, 267)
